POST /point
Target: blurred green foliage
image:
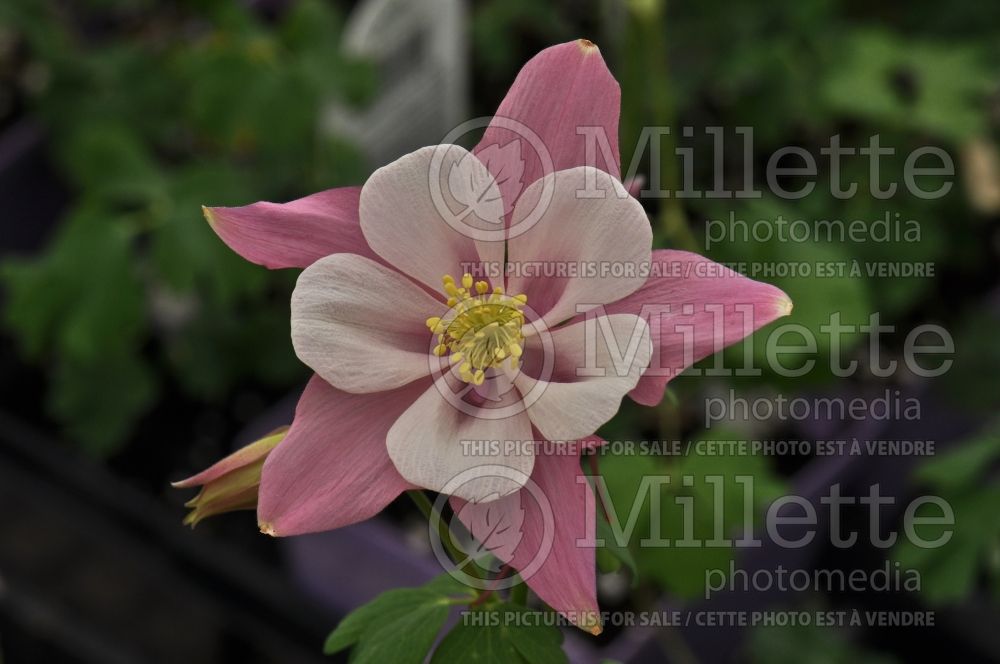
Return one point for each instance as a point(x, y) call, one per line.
point(174, 106)
point(152, 110)
point(965, 479)
point(796, 644)
point(701, 488)
point(799, 72)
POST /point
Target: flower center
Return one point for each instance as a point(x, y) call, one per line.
point(481, 330)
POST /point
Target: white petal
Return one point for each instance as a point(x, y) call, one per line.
point(426, 214)
point(590, 222)
point(461, 451)
point(596, 362)
point(360, 325)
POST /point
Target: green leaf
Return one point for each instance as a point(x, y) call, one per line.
point(99, 401)
point(81, 307)
point(187, 253)
point(970, 385)
point(539, 644)
point(623, 479)
point(911, 83)
point(606, 562)
point(948, 573)
point(964, 465)
point(111, 162)
point(682, 570)
point(808, 645)
point(501, 634)
point(222, 108)
point(400, 625)
point(83, 297)
point(619, 553)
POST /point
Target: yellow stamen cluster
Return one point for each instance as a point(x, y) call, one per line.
point(481, 330)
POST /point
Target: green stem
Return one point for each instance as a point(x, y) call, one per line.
point(431, 513)
point(483, 596)
point(519, 594)
point(649, 20)
point(422, 502)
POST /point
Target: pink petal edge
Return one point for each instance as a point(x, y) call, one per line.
point(689, 280)
point(293, 234)
point(567, 579)
point(332, 469)
point(560, 89)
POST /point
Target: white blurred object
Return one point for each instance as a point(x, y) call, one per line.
point(981, 163)
point(419, 48)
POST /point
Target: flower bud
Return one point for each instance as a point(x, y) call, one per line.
point(230, 484)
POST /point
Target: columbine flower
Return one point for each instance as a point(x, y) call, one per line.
point(230, 484)
point(390, 350)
